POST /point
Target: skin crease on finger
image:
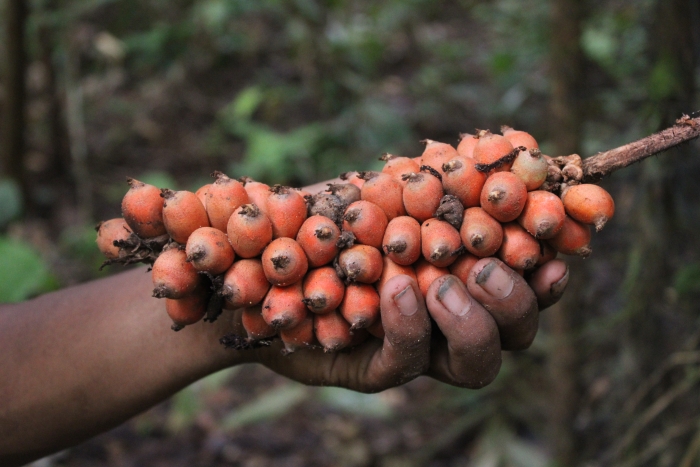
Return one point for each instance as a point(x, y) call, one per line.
point(468, 353)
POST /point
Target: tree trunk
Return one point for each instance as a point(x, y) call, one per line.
point(12, 141)
point(566, 71)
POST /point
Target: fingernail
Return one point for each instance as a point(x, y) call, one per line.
point(557, 289)
point(406, 301)
point(453, 297)
point(495, 280)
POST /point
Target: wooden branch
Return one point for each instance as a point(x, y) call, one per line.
point(605, 163)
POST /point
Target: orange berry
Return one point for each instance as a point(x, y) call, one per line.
point(111, 231)
point(463, 266)
point(519, 138)
point(223, 197)
point(174, 277)
point(503, 196)
point(360, 263)
point(245, 284)
point(142, 209)
point(391, 269)
point(318, 237)
point(183, 213)
point(589, 204)
point(466, 145)
point(286, 209)
point(401, 240)
point(323, 290)
point(543, 214)
point(360, 307)
point(491, 148)
point(257, 192)
point(481, 234)
point(421, 195)
point(436, 154)
point(519, 249)
point(187, 310)
point(382, 190)
point(462, 180)
point(439, 242)
point(284, 262)
point(332, 331)
point(255, 325)
point(366, 221)
point(249, 231)
point(426, 273)
point(572, 239)
point(352, 177)
point(300, 336)
point(398, 166)
point(209, 251)
point(531, 168)
point(202, 194)
point(283, 307)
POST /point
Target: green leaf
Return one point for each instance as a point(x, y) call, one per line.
point(10, 201)
point(23, 273)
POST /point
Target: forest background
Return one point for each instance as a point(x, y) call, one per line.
point(297, 91)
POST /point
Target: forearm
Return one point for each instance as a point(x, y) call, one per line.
point(81, 360)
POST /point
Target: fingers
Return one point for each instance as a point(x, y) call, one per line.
point(549, 282)
point(375, 365)
point(509, 299)
point(469, 352)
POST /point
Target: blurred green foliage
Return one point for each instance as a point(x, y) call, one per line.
point(23, 272)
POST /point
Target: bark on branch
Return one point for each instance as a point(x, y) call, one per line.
point(605, 163)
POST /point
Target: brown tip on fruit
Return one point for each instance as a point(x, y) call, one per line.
point(166, 193)
point(543, 228)
point(250, 210)
point(280, 262)
point(451, 166)
point(359, 324)
point(197, 253)
point(226, 292)
point(426, 141)
point(529, 264)
point(584, 251)
point(352, 215)
point(439, 253)
point(279, 189)
point(367, 174)
point(219, 175)
point(245, 179)
point(344, 175)
point(386, 157)
point(496, 194)
point(398, 246)
point(332, 347)
point(476, 239)
point(99, 224)
point(411, 177)
point(315, 303)
point(600, 223)
point(351, 273)
point(346, 239)
point(277, 323)
point(160, 291)
point(451, 211)
point(323, 233)
point(482, 133)
point(535, 152)
point(177, 327)
point(505, 128)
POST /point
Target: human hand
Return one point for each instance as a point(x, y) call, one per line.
point(497, 310)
